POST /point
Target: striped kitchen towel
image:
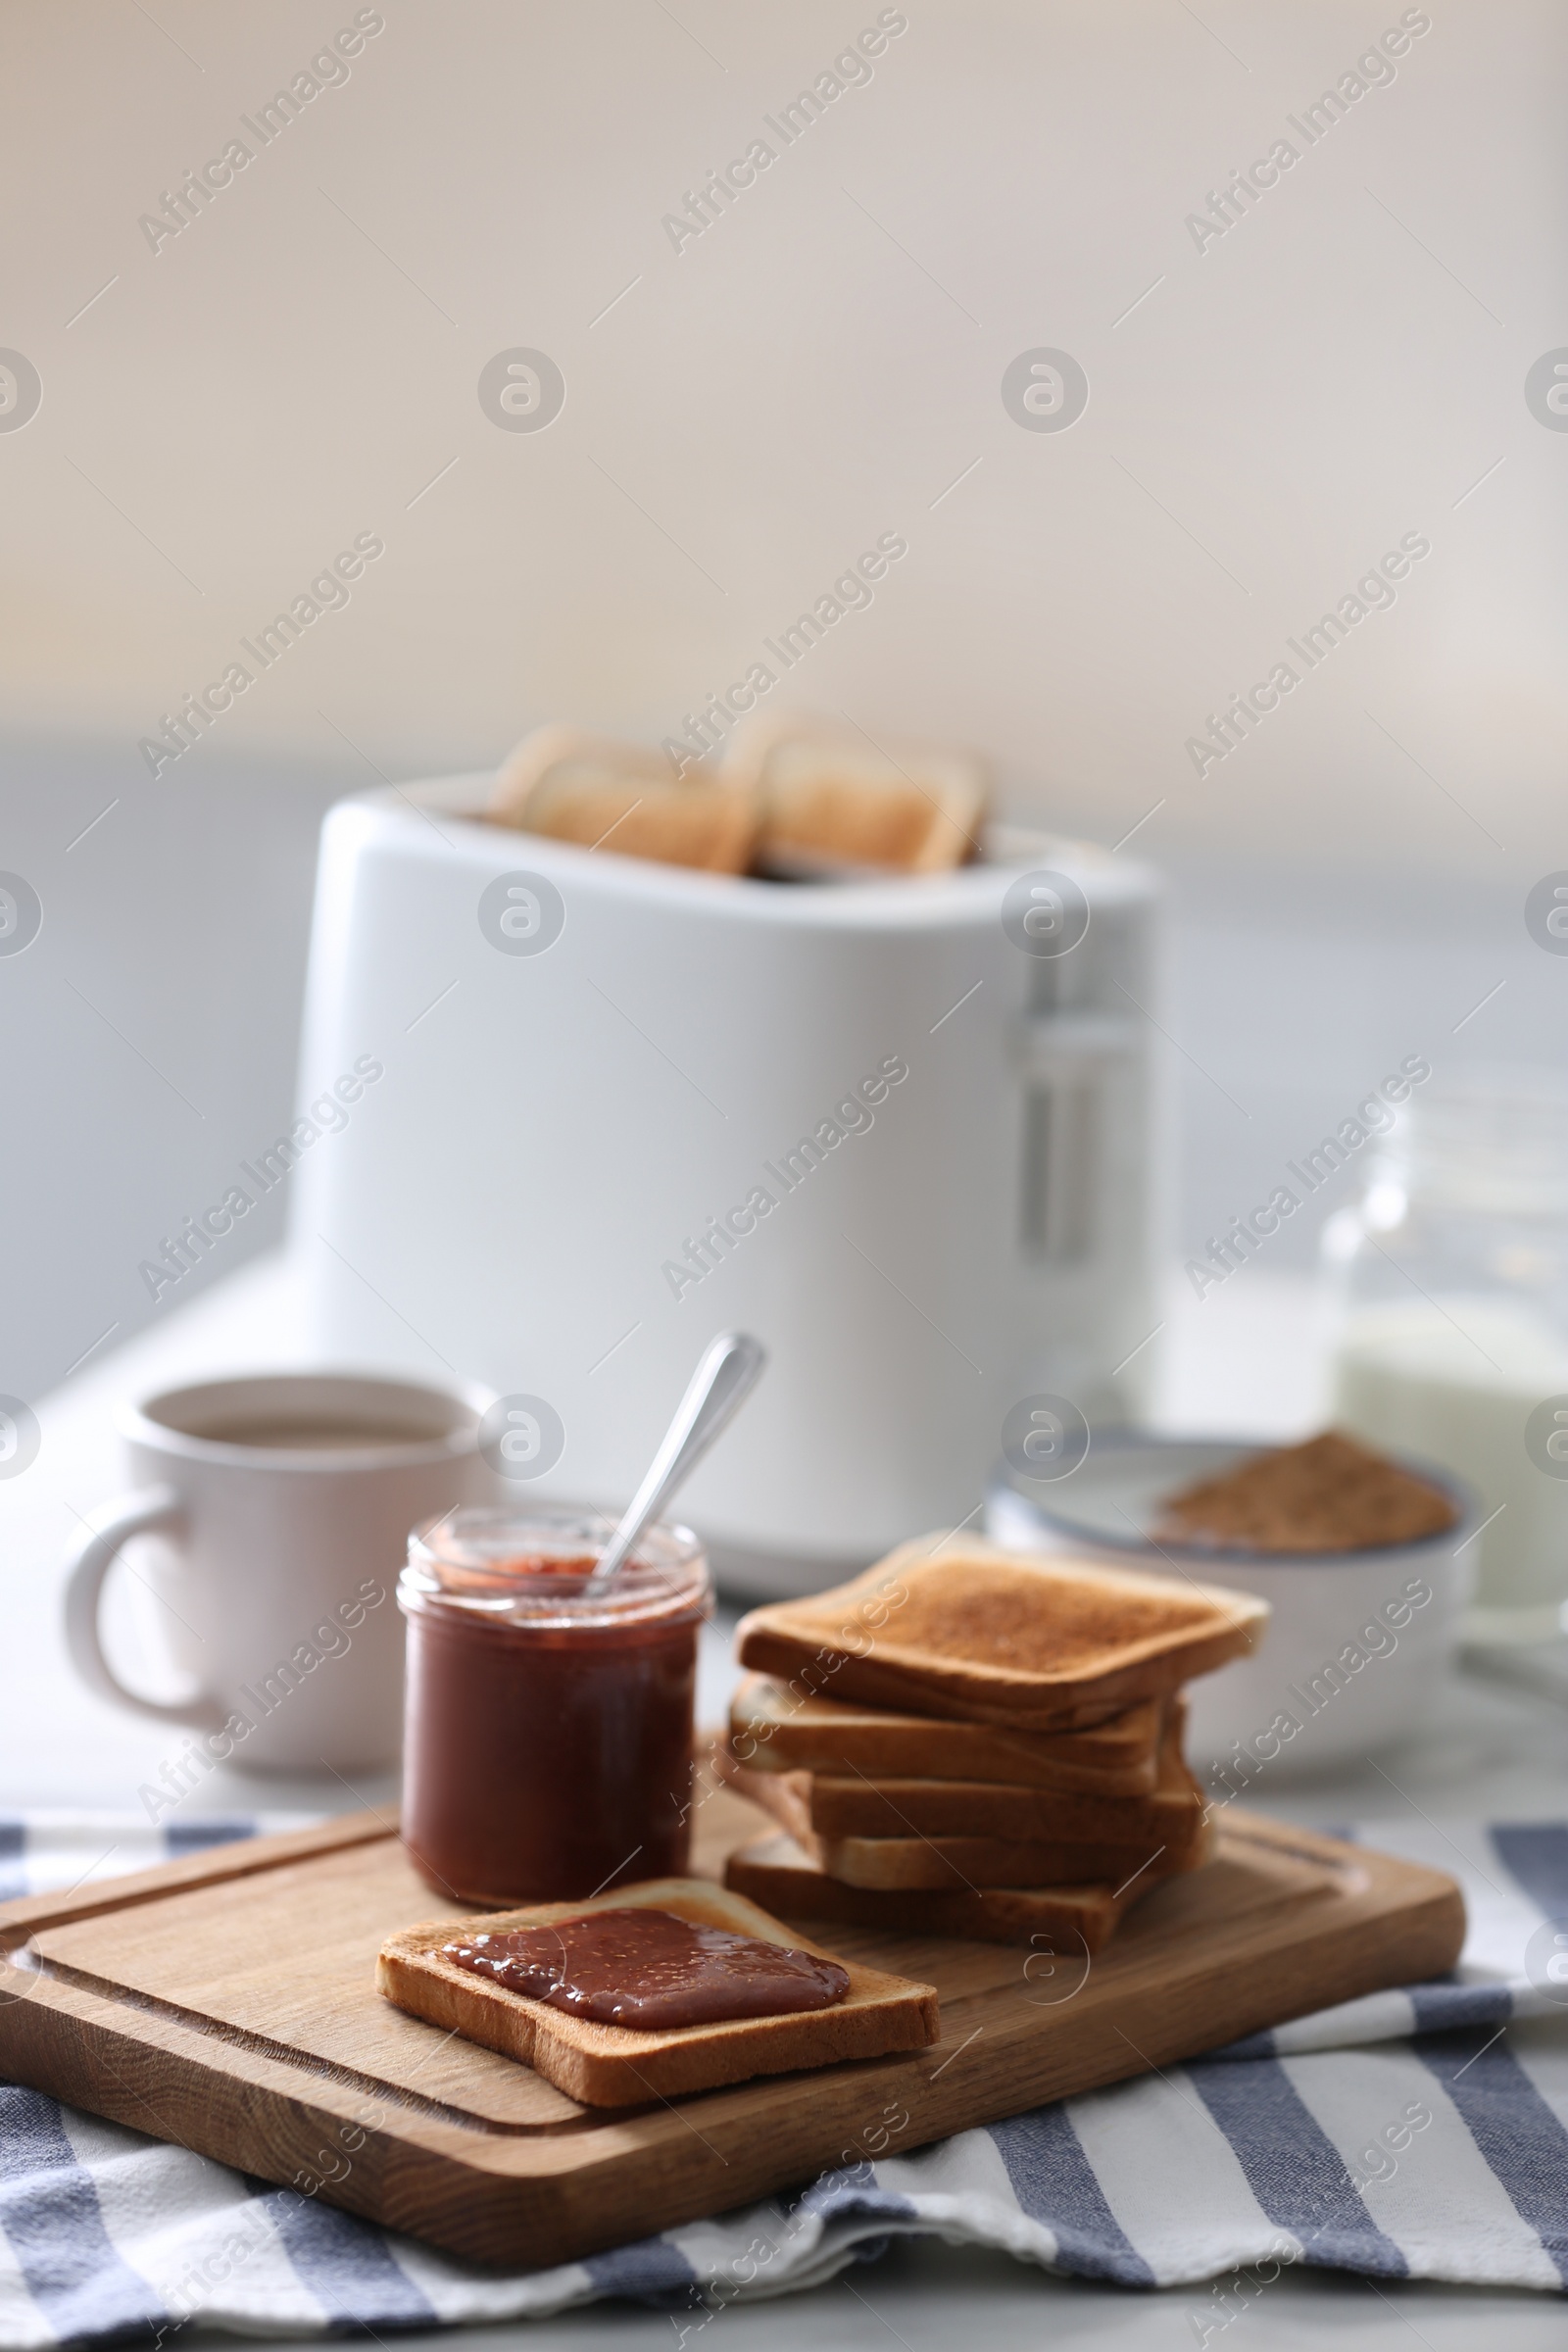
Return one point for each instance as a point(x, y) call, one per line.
point(1415, 2133)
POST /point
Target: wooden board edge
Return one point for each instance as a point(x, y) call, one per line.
point(1355, 1866)
point(234, 1858)
point(52, 2041)
point(1247, 1828)
point(259, 2119)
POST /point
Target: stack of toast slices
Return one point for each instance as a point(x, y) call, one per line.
point(976, 1742)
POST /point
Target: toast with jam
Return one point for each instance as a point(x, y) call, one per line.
point(651, 1992)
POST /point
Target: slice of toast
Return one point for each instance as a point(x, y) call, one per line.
point(856, 1805)
point(950, 1627)
point(833, 803)
point(775, 1730)
point(1062, 1921)
point(979, 1862)
point(616, 2066)
point(621, 798)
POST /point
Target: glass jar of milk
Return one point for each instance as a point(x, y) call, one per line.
point(1449, 1288)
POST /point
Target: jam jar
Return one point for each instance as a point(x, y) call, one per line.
point(548, 1736)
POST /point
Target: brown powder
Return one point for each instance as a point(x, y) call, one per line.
point(1328, 1495)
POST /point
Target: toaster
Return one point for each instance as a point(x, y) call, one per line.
point(905, 1130)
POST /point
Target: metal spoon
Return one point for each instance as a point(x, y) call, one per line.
point(725, 1378)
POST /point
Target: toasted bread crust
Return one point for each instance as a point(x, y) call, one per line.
point(672, 824)
point(551, 750)
point(771, 1730)
point(858, 1805)
point(831, 800)
point(981, 1862)
point(777, 1872)
point(614, 2066)
point(572, 786)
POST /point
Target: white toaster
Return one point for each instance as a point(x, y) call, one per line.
point(903, 1130)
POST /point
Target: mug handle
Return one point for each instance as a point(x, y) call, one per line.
point(154, 1510)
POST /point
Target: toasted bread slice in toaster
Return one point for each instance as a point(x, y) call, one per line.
point(775, 1729)
point(950, 1627)
point(622, 798)
point(1062, 1922)
point(617, 2066)
point(832, 801)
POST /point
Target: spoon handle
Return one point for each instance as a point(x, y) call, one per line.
point(725, 1378)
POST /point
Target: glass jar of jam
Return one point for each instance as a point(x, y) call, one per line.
point(547, 1739)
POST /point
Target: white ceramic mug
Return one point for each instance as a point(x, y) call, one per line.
point(285, 1500)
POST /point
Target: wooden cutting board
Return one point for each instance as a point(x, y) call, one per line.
point(227, 2002)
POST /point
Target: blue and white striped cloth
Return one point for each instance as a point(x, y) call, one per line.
point(1418, 2134)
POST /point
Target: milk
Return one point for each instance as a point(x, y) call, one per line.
point(1455, 1383)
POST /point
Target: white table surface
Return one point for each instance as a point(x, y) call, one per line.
point(1244, 1362)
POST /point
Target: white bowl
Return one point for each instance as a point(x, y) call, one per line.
point(1357, 1640)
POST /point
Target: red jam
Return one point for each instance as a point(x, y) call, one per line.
point(651, 1970)
point(547, 1749)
